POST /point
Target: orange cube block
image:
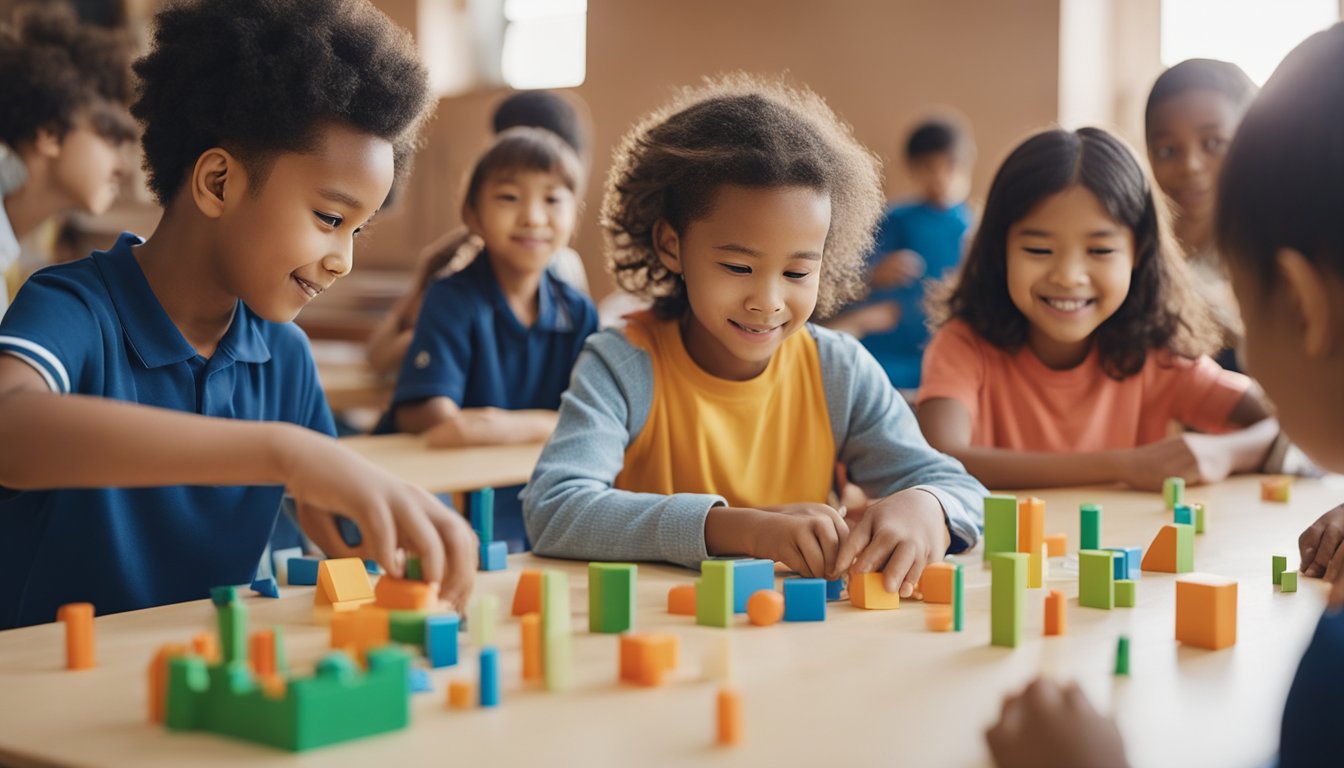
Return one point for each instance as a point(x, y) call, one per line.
point(1055, 622)
point(361, 630)
point(765, 607)
point(342, 584)
point(866, 590)
point(261, 652)
point(936, 582)
point(1057, 544)
point(404, 594)
point(1206, 611)
point(78, 620)
point(645, 659)
point(206, 645)
point(1276, 488)
point(461, 694)
point(681, 600)
point(729, 716)
point(158, 679)
point(527, 595)
point(938, 618)
point(530, 627)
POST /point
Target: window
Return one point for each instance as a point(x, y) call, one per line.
point(1253, 34)
point(544, 43)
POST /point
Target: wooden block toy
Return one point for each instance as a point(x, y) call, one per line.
point(681, 600)
point(717, 660)
point(866, 590)
point(461, 694)
point(362, 630)
point(1206, 611)
point(557, 659)
point(938, 618)
point(1173, 492)
point(729, 717)
point(1278, 564)
point(266, 587)
point(1037, 566)
point(1183, 513)
point(714, 594)
point(1096, 578)
point(481, 512)
point(1057, 544)
point(750, 577)
point(280, 564)
point(1126, 593)
point(482, 617)
point(1031, 530)
point(158, 678)
point(441, 639)
point(342, 584)
point(78, 621)
point(420, 682)
point(1008, 585)
point(232, 632)
point(1172, 550)
point(835, 590)
point(527, 595)
point(1288, 581)
point(205, 645)
point(489, 672)
point(529, 627)
point(494, 556)
point(611, 597)
point(261, 652)
point(958, 600)
point(1122, 657)
point(1056, 621)
point(1127, 561)
point(646, 659)
point(765, 608)
point(1201, 516)
point(404, 594)
point(1089, 526)
point(804, 600)
point(935, 583)
point(302, 571)
point(1000, 524)
point(407, 627)
point(1276, 488)
point(414, 569)
point(372, 568)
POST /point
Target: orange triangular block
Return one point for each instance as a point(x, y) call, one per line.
point(527, 595)
point(1172, 550)
point(342, 583)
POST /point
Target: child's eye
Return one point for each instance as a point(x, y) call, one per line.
point(1165, 153)
point(1213, 145)
point(507, 197)
point(796, 275)
point(737, 269)
point(331, 221)
point(1101, 251)
point(1036, 251)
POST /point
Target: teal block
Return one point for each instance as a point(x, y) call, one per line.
point(1000, 524)
point(1089, 526)
point(714, 594)
point(222, 596)
point(750, 577)
point(407, 627)
point(302, 571)
point(1183, 513)
point(611, 597)
point(834, 589)
point(266, 587)
point(804, 600)
point(1008, 597)
point(1279, 565)
point(1127, 562)
point(481, 511)
point(494, 555)
point(441, 639)
point(1126, 593)
point(958, 599)
point(1288, 581)
point(1173, 491)
point(1096, 578)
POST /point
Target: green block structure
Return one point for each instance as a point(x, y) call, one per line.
point(611, 597)
point(1089, 526)
point(958, 599)
point(1008, 597)
point(714, 594)
point(1126, 593)
point(1279, 565)
point(557, 658)
point(232, 631)
point(1199, 517)
point(1000, 524)
point(1096, 578)
point(1288, 581)
point(407, 627)
point(1173, 492)
point(1122, 657)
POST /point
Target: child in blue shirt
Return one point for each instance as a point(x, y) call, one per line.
point(155, 399)
point(494, 343)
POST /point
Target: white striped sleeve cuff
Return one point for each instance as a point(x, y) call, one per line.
point(47, 365)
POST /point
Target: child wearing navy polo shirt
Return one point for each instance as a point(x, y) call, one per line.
point(495, 343)
point(155, 399)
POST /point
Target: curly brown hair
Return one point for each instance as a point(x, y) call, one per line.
point(743, 131)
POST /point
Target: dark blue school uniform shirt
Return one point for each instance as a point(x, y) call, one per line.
point(1313, 716)
point(94, 327)
point(469, 347)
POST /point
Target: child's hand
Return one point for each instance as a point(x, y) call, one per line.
point(1052, 725)
point(898, 268)
point(1320, 547)
point(805, 537)
point(899, 535)
point(1196, 458)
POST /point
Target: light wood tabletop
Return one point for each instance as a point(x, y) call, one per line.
point(863, 687)
point(448, 470)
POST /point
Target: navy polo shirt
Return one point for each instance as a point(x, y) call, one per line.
point(94, 327)
point(469, 347)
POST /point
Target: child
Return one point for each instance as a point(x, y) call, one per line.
point(1073, 336)
point(711, 424)
point(1277, 224)
point(918, 240)
point(266, 173)
point(63, 96)
point(495, 342)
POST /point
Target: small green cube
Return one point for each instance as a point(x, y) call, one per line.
point(1288, 581)
point(611, 597)
point(1279, 564)
point(1126, 593)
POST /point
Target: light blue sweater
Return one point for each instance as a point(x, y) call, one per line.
point(571, 509)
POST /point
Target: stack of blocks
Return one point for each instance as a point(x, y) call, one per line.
point(481, 511)
point(611, 597)
point(1206, 611)
point(1127, 567)
point(1031, 538)
point(1008, 584)
point(1172, 550)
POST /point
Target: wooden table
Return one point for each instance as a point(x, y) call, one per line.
point(861, 688)
point(448, 470)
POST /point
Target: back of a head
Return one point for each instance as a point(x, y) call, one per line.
point(1221, 77)
point(1282, 184)
point(541, 109)
point(934, 136)
point(259, 77)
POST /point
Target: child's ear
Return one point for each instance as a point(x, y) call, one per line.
point(1309, 294)
point(47, 143)
point(471, 220)
point(667, 244)
point(216, 176)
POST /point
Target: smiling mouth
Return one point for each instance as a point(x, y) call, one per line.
point(1067, 305)
point(755, 330)
point(307, 287)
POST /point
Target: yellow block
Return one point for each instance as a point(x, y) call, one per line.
point(866, 591)
point(342, 580)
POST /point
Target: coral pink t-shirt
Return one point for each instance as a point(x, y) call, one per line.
point(1016, 402)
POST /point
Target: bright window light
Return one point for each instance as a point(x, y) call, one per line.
point(545, 51)
point(1253, 34)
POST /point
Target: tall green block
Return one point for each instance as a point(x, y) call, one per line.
point(1173, 492)
point(958, 599)
point(232, 631)
point(611, 597)
point(1126, 593)
point(1000, 524)
point(1185, 548)
point(1008, 597)
point(1122, 657)
point(1089, 526)
point(1279, 565)
point(714, 594)
point(557, 661)
point(1199, 517)
point(1096, 578)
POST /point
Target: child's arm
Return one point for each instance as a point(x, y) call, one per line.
point(447, 426)
point(1050, 725)
point(1322, 546)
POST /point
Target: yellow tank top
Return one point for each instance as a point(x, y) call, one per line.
point(757, 443)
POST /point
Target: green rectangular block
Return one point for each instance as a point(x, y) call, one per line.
point(1173, 492)
point(958, 599)
point(1096, 578)
point(611, 597)
point(1089, 526)
point(1122, 657)
point(557, 661)
point(1199, 518)
point(1000, 524)
point(1008, 597)
point(1185, 548)
point(1288, 581)
point(232, 631)
point(407, 627)
point(714, 594)
point(1279, 565)
point(1126, 593)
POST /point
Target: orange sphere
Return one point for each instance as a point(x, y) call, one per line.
point(765, 607)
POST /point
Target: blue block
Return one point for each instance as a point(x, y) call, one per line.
point(266, 587)
point(494, 555)
point(804, 600)
point(349, 531)
point(420, 681)
point(1127, 563)
point(303, 570)
point(750, 577)
point(833, 589)
point(489, 686)
point(371, 567)
point(481, 512)
point(441, 639)
point(1184, 514)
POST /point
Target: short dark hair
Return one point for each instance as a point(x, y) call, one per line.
point(260, 77)
point(56, 70)
point(1282, 183)
point(936, 136)
point(1162, 311)
point(1222, 77)
point(541, 109)
point(747, 132)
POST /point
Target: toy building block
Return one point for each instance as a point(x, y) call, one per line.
point(280, 564)
point(1173, 492)
point(1122, 657)
point(494, 556)
point(78, 620)
point(1127, 561)
point(342, 584)
point(489, 671)
point(1089, 526)
point(1201, 516)
point(372, 568)
point(557, 660)
point(1000, 524)
point(302, 571)
point(646, 659)
point(717, 659)
point(681, 600)
point(1172, 550)
point(461, 694)
point(1206, 611)
point(1057, 544)
point(1008, 585)
point(935, 583)
point(404, 594)
point(266, 587)
point(527, 595)
point(232, 620)
point(1278, 564)
point(804, 600)
point(361, 630)
point(158, 679)
point(413, 570)
point(766, 607)
point(1056, 621)
point(1126, 593)
point(480, 510)
point(714, 594)
point(835, 589)
point(938, 618)
point(529, 629)
point(1031, 537)
point(205, 645)
point(441, 639)
point(407, 627)
point(1288, 581)
point(1096, 578)
point(729, 717)
point(420, 682)
point(866, 590)
point(1276, 488)
point(261, 652)
point(482, 618)
point(611, 597)
point(749, 577)
point(1038, 565)
point(1184, 514)
point(958, 600)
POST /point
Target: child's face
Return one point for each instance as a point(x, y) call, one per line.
point(1187, 142)
point(88, 167)
point(752, 268)
point(942, 178)
point(294, 238)
point(523, 217)
point(1069, 266)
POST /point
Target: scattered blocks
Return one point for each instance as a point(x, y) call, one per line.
point(834, 589)
point(342, 584)
point(489, 670)
point(302, 571)
point(729, 717)
point(958, 600)
point(611, 597)
point(484, 613)
point(1000, 524)
point(766, 607)
point(714, 594)
point(266, 587)
point(750, 577)
point(1288, 581)
point(556, 633)
point(1206, 611)
point(1126, 593)
point(461, 694)
point(1276, 488)
point(646, 659)
point(1172, 550)
point(1201, 517)
point(494, 555)
point(1278, 564)
point(866, 590)
point(1127, 562)
point(1031, 538)
point(804, 600)
point(1008, 584)
point(1184, 514)
point(78, 621)
point(527, 595)
point(404, 594)
point(1096, 578)
point(441, 639)
point(1089, 526)
point(1056, 622)
point(938, 618)
point(1173, 492)
point(681, 600)
point(1122, 657)
point(935, 583)
point(1056, 544)
point(529, 627)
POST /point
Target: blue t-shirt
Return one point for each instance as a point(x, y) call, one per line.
point(937, 235)
point(1312, 716)
point(470, 348)
point(94, 327)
